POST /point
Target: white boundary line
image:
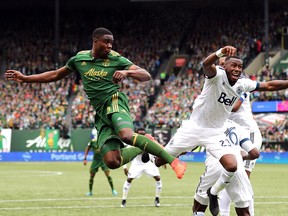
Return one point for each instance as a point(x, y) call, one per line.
point(29, 172)
point(112, 206)
point(118, 198)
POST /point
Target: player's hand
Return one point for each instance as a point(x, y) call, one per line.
point(126, 171)
point(85, 162)
point(150, 137)
point(119, 76)
point(229, 50)
point(14, 75)
point(243, 154)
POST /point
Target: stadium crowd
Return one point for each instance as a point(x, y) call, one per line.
point(144, 37)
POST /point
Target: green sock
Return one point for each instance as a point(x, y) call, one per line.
point(91, 181)
point(110, 182)
point(128, 154)
point(151, 147)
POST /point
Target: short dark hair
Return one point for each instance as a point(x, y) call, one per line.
point(140, 129)
point(229, 57)
point(100, 32)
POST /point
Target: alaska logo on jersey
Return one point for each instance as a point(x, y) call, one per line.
point(225, 100)
point(92, 72)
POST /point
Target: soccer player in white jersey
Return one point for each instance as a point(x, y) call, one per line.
point(136, 170)
point(222, 88)
point(239, 189)
point(242, 114)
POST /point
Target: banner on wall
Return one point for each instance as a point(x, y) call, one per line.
point(265, 157)
point(5, 140)
point(49, 141)
point(269, 106)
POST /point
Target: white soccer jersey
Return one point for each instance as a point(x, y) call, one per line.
point(210, 111)
point(244, 117)
point(214, 105)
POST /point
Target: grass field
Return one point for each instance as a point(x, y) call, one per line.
point(30, 189)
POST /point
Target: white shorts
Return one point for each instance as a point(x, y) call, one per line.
point(239, 189)
point(190, 136)
point(137, 170)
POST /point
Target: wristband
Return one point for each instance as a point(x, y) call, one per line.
point(219, 53)
point(241, 98)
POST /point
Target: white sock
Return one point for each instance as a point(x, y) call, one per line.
point(222, 182)
point(126, 188)
point(198, 213)
point(251, 207)
point(224, 203)
point(158, 187)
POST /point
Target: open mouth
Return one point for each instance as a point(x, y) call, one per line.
point(235, 76)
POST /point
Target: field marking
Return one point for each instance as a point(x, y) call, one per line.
point(29, 172)
point(117, 198)
point(113, 206)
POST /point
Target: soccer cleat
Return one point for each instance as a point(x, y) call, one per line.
point(89, 194)
point(114, 192)
point(179, 167)
point(213, 203)
point(145, 157)
point(123, 203)
point(157, 201)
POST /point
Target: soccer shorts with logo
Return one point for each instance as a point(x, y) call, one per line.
point(108, 126)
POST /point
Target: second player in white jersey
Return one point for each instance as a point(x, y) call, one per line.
point(244, 117)
point(239, 189)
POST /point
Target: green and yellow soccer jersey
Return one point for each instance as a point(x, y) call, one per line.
point(97, 75)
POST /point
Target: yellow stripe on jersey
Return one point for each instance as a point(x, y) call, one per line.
point(115, 102)
point(135, 135)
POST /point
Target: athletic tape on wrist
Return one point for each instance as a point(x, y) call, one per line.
point(219, 53)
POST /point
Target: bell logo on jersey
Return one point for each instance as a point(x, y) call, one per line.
point(226, 101)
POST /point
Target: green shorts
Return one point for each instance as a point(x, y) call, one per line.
point(110, 119)
point(98, 162)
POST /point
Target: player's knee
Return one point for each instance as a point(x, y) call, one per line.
point(112, 164)
point(229, 162)
point(231, 167)
point(126, 135)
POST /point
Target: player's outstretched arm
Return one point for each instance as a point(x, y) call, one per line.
point(273, 85)
point(48, 76)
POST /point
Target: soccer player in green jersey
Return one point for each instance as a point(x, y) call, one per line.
point(96, 164)
point(101, 70)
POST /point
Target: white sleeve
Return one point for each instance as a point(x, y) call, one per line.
point(250, 85)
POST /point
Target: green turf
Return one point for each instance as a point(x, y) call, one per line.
point(33, 189)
